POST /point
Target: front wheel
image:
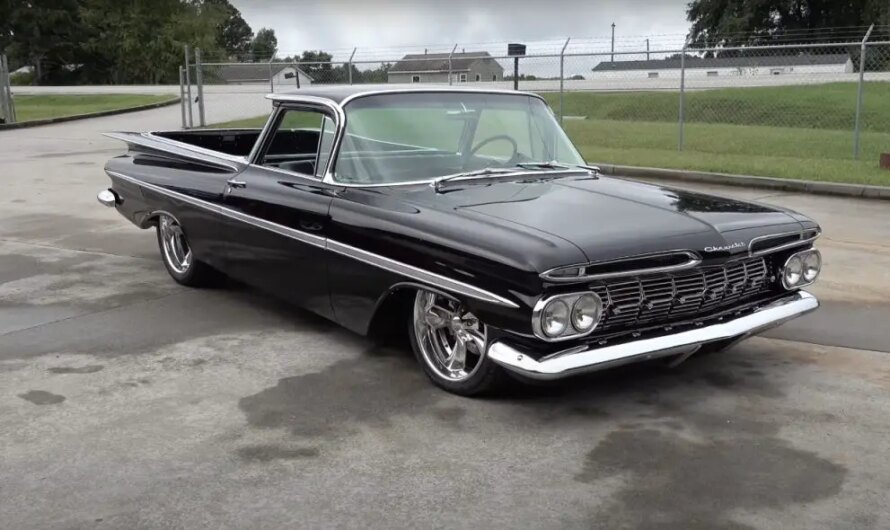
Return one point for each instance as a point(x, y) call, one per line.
point(178, 258)
point(450, 344)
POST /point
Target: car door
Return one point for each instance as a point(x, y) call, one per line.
point(278, 212)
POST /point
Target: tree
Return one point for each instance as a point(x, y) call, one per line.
point(234, 34)
point(263, 46)
point(751, 22)
point(320, 72)
point(42, 34)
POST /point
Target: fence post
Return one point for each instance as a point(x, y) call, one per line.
point(271, 79)
point(860, 94)
point(188, 87)
point(349, 65)
point(562, 64)
point(682, 117)
point(199, 80)
point(182, 99)
point(5, 92)
point(450, 55)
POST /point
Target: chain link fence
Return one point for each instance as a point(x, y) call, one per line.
point(736, 106)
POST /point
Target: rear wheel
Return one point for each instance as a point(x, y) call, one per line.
point(450, 343)
point(178, 258)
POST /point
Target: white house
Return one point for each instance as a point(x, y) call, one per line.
point(767, 65)
point(258, 73)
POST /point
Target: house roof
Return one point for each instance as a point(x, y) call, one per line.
point(725, 62)
point(438, 62)
point(233, 73)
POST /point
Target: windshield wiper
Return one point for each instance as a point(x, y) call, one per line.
point(542, 165)
point(487, 172)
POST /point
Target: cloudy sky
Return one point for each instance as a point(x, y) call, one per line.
point(341, 24)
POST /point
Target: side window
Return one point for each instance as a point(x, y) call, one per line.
point(415, 79)
point(299, 143)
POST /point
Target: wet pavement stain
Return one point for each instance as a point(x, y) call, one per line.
point(268, 453)
point(41, 397)
point(368, 390)
point(88, 369)
point(680, 483)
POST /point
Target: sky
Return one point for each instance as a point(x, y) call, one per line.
point(374, 26)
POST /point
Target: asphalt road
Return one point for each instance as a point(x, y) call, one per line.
point(127, 401)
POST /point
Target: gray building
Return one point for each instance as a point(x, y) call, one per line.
point(466, 67)
point(257, 73)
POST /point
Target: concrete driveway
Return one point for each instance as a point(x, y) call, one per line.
point(130, 402)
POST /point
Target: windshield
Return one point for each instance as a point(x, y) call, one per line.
point(392, 138)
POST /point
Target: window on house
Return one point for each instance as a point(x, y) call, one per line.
point(494, 77)
point(415, 79)
point(776, 71)
point(713, 73)
point(653, 75)
point(463, 78)
point(478, 77)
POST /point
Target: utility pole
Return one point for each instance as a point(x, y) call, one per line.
point(613, 42)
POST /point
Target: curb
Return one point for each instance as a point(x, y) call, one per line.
point(806, 186)
point(112, 112)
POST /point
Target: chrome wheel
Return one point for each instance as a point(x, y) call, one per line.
point(175, 247)
point(451, 340)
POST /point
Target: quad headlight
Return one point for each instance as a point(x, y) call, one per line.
point(801, 269)
point(567, 316)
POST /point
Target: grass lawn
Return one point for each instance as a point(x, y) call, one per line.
point(803, 132)
point(29, 108)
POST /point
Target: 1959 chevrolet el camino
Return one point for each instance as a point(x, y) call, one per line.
point(466, 218)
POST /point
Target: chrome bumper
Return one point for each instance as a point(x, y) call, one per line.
point(585, 359)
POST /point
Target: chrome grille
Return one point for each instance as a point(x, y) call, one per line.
point(680, 296)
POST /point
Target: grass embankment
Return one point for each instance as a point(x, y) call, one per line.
point(802, 132)
point(39, 107)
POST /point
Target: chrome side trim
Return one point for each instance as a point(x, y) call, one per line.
point(693, 261)
point(415, 273)
point(364, 256)
point(587, 358)
point(803, 241)
point(298, 235)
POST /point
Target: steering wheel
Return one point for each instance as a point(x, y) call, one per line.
point(495, 138)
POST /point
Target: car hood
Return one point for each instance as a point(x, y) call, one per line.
point(608, 218)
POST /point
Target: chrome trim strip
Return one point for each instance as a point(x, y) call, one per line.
point(694, 261)
point(415, 273)
point(370, 258)
point(802, 241)
point(298, 235)
point(575, 360)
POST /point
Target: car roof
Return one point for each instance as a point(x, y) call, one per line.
point(341, 93)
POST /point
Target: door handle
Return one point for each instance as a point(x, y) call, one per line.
point(234, 183)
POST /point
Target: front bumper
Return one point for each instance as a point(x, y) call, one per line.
point(590, 358)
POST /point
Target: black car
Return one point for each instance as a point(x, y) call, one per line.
point(467, 218)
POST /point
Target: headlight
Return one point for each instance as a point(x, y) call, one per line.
point(586, 312)
point(812, 265)
point(566, 316)
point(555, 318)
point(801, 269)
point(793, 272)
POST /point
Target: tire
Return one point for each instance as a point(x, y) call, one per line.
point(440, 328)
point(177, 256)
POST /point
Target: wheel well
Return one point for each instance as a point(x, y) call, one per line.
point(390, 320)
